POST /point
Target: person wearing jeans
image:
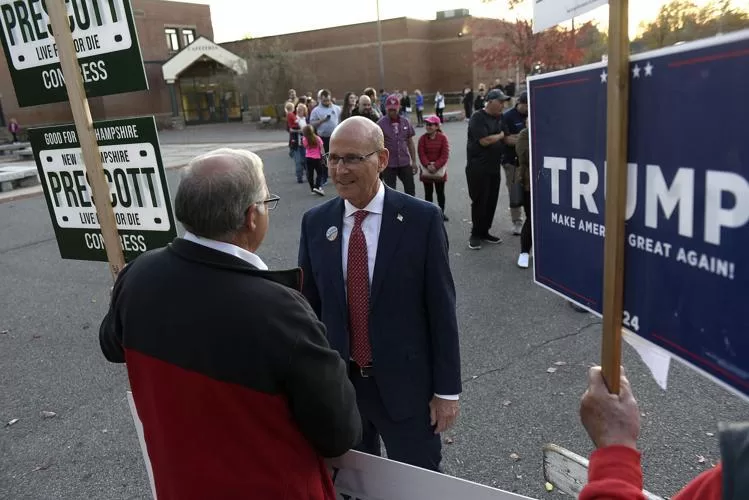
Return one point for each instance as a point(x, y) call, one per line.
point(434, 151)
point(399, 140)
point(325, 118)
point(515, 118)
point(524, 172)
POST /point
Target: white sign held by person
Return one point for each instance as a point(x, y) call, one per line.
point(548, 13)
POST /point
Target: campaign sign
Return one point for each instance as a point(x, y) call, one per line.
point(686, 285)
point(139, 193)
point(105, 41)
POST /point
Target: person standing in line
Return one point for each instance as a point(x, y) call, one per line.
point(377, 273)
point(522, 147)
point(468, 102)
point(514, 118)
point(14, 128)
point(479, 102)
point(419, 108)
point(510, 88)
point(405, 104)
point(434, 152)
point(486, 133)
point(366, 110)
point(325, 118)
point(213, 340)
point(439, 106)
point(498, 85)
point(295, 130)
point(372, 94)
point(399, 140)
point(383, 98)
point(314, 150)
point(349, 105)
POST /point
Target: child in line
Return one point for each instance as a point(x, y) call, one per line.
point(314, 152)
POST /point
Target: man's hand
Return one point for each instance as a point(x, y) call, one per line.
point(414, 169)
point(610, 420)
point(443, 413)
point(512, 140)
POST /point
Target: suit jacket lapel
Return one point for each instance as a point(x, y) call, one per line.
point(333, 253)
point(391, 231)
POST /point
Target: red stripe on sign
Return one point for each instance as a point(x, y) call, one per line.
point(559, 84)
point(544, 278)
point(715, 57)
point(699, 358)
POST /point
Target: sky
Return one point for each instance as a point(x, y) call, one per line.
point(235, 19)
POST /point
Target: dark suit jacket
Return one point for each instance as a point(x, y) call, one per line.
point(233, 378)
point(412, 323)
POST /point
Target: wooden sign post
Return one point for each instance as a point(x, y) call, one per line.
point(85, 128)
point(616, 191)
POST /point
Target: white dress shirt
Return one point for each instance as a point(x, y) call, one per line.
point(234, 250)
point(371, 229)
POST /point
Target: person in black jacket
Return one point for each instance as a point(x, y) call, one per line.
point(233, 378)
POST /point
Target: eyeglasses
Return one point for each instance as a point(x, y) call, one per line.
point(348, 160)
point(271, 202)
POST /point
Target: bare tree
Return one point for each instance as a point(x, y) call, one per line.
point(271, 71)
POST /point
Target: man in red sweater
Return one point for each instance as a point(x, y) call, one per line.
point(613, 423)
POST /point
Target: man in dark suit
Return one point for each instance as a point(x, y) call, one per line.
point(376, 272)
point(237, 387)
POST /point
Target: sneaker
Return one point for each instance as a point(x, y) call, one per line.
point(474, 243)
point(517, 228)
point(494, 240)
point(523, 260)
point(319, 191)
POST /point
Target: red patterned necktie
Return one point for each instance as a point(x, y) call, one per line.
point(357, 287)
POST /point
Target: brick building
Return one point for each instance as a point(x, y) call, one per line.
point(191, 79)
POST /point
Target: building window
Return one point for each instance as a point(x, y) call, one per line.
point(172, 40)
point(188, 36)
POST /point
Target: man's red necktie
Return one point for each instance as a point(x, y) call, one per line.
point(357, 287)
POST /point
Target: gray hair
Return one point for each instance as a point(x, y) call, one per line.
point(216, 190)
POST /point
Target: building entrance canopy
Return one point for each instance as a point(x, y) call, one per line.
point(202, 83)
point(200, 49)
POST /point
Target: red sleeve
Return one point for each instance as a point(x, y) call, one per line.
point(706, 486)
point(444, 152)
point(614, 474)
point(423, 151)
point(291, 120)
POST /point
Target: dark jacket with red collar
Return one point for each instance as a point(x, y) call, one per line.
point(239, 393)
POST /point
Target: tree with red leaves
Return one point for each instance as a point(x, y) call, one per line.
point(502, 44)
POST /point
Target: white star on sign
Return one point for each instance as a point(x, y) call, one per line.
point(649, 69)
point(636, 71)
point(604, 76)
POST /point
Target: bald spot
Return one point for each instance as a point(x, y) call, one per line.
point(209, 165)
point(360, 129)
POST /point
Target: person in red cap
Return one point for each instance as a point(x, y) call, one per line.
point(434, 151)
point(399, 141)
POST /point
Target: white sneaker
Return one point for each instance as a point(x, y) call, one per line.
point(517, 228)
point(319, 191)
point(523, 260)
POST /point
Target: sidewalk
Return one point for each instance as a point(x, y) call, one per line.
point(178, 147)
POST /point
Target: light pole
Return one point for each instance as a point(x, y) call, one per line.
point(379, 47)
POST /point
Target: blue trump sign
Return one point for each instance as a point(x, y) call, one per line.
point(687, 232)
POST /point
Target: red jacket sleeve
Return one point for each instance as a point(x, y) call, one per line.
point(706, 486)
point(423, 151)
point(444, 153)
point(614, 474)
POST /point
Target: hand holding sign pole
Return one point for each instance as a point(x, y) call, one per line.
point(616, 192)
point(84, 125)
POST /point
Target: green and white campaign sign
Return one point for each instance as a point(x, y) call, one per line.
point(139, 193)
point(105, 40)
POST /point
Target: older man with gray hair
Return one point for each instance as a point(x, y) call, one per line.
point(233, 378)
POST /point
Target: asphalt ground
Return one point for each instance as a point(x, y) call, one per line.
point(512, 331)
